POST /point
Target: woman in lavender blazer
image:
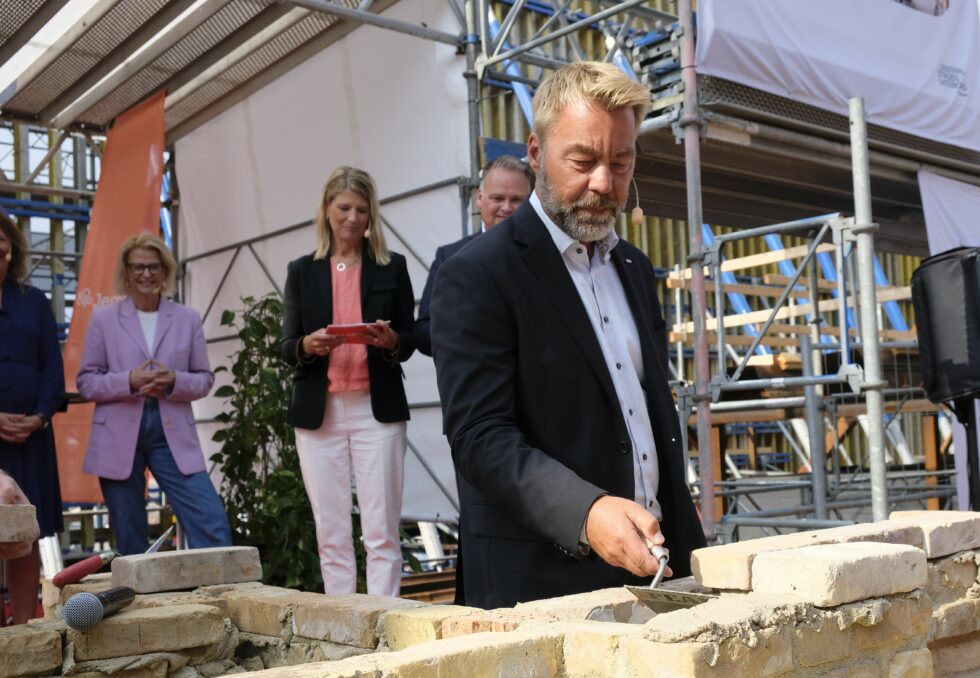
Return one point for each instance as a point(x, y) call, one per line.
point(145, 360)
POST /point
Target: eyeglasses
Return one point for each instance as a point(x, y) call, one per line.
point(140, 269)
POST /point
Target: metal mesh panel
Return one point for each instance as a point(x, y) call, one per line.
point(725, 95)
point(217, 27)
point(104, 36)
point(254, 63)
point(13, 15)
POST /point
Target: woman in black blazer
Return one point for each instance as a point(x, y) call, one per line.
point(348, 405)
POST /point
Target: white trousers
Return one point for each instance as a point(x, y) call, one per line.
point(351, 438)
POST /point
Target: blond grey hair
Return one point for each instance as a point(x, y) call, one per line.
point(342, 179)
point(146, 241)
point(590, 82)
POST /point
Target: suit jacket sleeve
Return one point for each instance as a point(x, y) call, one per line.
point(95, 382)
point(292, 318)
point(474, 335)
point(423, 338)
point(197, 380)
point(403, 321)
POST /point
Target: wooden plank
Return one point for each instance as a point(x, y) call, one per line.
point(833, 438)
point(717, 450)
point(758, 317)
point(762, 259)
point(822, 284)
point(930, 449)
point(738, 339)
point(739, 288)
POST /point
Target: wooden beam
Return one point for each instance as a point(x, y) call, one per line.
point(758, 317)
point(739, 288)
point(763, 259)
point(717, 450)
point(833, 438)
point(930, 449)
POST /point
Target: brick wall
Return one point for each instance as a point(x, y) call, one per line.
point(897, 599)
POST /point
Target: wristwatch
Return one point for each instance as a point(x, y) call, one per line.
point(45, 420)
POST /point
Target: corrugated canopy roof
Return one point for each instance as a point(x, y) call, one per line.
point(77, 64)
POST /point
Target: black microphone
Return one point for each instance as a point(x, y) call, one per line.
point(84, 610)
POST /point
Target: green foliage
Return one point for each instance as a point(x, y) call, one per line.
point(263, 488)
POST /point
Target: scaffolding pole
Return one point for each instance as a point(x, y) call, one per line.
point(690, 124)
point(864, 228)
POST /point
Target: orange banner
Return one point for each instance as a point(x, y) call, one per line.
point(127, 202)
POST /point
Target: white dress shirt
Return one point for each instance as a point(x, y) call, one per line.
point(604, 298)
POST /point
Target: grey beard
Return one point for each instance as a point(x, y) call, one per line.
point(578, 224)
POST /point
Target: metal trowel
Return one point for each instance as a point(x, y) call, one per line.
point(666, 600)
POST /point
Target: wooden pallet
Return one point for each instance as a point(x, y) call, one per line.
point(430, 587)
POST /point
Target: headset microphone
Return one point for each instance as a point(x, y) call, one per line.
point(636, 214)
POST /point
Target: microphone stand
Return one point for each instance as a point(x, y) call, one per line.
point(966, 413)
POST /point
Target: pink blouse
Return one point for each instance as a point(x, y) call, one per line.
point(348, 369)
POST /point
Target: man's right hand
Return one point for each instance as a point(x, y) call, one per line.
point(618, 531)
point(10, 494)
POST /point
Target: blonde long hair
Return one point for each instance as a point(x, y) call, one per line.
point(342, 179)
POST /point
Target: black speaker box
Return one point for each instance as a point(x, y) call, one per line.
point(946, 298)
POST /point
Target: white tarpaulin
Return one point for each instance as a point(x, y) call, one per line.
point(952, 211)
point(392, 104)
point(918, 73)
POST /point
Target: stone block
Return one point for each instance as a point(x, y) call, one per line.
point(90, 584)
point(729, 566)
point(146, 600)
point(768, 652)
point(27, 650)
point(50, 598)
point(348, 619)
point(486, 621)
point(911, 664)
point(155, 670)
point(821, 644)
point(525, 653)
point(160, 629)
point(404, 627)
point(608, 605)
point(260, 609)
point(903, 619)
point(18, 523)
point(944, 532)
point(832, 574)
point(958, 618)
point(726, 617)
point(187, 569)
point(957, 655)
point(593, 648)
point(951, 578)
point(641, 657)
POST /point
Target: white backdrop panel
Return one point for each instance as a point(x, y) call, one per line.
point(951, 209)
point(392, 104)
point(918, 73)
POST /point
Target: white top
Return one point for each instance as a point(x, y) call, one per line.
point(148, 321)
point(604, 298)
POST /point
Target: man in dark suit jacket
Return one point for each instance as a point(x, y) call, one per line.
point(505, 184)
point(551, 352)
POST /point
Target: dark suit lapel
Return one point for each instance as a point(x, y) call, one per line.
point(368, 270)
point(548, 267)
point(324, 283)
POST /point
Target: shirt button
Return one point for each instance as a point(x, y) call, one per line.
point(605, 319)
point(579, 250)
point(619, 366)
point(651, 503)
point(644, 457)
point(631, 412)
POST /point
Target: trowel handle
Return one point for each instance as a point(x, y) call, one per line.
point(660, 553)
